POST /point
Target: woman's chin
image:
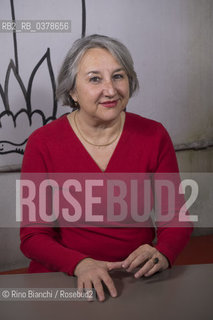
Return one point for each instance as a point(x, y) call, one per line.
point(110, 115)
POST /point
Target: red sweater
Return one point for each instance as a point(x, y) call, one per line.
point(144, 146)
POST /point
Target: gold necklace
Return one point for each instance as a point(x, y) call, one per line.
point(93, 144)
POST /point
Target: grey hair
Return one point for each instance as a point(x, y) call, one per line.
point(68, 71)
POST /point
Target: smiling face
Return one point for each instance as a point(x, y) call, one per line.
point(102, 85)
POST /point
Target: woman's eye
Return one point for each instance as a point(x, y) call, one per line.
point(118, 76)
point(95, 79)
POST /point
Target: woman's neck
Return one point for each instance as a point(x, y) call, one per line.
point(96, 131)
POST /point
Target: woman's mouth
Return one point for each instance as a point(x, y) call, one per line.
point(109, 104)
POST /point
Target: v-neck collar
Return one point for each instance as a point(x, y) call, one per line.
point(88, 155)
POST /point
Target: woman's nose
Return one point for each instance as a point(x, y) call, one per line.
point(109, 88)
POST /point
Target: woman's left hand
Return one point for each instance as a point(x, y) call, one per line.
point(149, 257)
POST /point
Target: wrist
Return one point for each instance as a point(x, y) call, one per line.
point(80, 264)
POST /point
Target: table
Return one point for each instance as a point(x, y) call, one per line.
point(183, 292)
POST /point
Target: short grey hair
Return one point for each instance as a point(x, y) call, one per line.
point(68, 71)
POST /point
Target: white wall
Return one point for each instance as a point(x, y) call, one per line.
point(10, 255)
point(172, 46)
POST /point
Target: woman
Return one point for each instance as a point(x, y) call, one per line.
point(97, 79)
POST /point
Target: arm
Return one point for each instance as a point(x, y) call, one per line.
point(172, 236)
point(42, 244)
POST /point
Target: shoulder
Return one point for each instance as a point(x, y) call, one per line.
point(153, 141)
point(42, 143)
point(50, 131)
point(49, 136)
point(141, 125)
point(152, 133)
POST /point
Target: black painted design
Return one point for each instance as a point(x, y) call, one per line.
point(14, 36)
point(12, 67)
point(52, 78)
point(83, 19)
point(8, 146)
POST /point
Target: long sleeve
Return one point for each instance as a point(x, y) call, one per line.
point(173, 237)
point(42, 243)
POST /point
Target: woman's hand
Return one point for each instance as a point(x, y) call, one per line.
point(144, 255)
point(91, 273)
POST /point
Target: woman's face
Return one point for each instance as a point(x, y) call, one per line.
point(102, 85)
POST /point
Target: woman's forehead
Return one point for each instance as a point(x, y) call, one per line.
point(97, 59)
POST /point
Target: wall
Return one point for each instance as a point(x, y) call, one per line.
point(11, 256)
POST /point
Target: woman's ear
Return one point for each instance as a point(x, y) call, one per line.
point(74, 99)
point(73, 95)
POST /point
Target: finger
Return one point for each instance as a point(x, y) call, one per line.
point(161, 265)
point(147, 268)
point(139, 261)
point(99, 289)
point(110, 285)
point(80, 284)
point(126, 263)
point(88, 286)
point(152, 271)
point(114, 265)
point(142, 251)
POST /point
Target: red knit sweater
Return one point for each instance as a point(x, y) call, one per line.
point(144, 146)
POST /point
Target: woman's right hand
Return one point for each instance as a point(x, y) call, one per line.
point(91, 273)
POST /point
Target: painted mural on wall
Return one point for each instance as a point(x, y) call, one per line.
point(27, 95)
